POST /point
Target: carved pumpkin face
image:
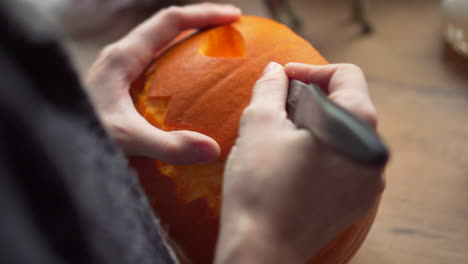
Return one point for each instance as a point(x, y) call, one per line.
point(203, 83)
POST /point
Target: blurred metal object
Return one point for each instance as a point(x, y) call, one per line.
point(360, 13)
point(78, 16)
point(309, 108)
point(455, 17)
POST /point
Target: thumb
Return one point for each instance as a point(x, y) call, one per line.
point(176, 147)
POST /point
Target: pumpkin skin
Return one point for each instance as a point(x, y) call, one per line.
point(203, 83)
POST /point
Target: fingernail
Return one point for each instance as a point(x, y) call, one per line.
point(270, 67)
point(207, 153)
point(231, 8)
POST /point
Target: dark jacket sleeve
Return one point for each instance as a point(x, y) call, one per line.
point(66, 192)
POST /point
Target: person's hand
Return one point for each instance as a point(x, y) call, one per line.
point(285, 195)
point(119, 64)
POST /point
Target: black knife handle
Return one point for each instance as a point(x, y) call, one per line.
point(308, 107)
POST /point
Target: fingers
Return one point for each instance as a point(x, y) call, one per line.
point(154, 34)
point(268, 99)
point(139, 138)
point(345, 84)
point(271, 90)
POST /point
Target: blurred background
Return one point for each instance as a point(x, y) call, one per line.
point(418, 82)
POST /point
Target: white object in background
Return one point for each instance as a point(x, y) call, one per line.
point(455, 15)
point(82, 15)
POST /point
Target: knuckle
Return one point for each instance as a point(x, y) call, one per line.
point(118, 131)
point(177, 149)
point(369, 116)
point(111, 52)
point(258, 114)
point(352, 67)
point(360, 106)
point(168, 148)
point(114, 58)
point(207, 5)
point(172, 14)
point(113, 55)
point(209, 8)
point(267, 81)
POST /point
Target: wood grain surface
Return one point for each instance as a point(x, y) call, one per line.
point(420, 88)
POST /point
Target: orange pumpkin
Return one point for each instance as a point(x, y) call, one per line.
point(203, 83)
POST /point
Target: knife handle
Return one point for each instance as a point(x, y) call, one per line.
point(310, 108)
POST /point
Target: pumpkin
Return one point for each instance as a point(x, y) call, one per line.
point(203, 83)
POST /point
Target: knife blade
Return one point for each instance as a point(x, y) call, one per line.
point(309, 108)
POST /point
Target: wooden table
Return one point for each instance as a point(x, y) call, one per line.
point(421, 92)
point(420, 89)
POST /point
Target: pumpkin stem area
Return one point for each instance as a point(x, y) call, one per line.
point(223, 42)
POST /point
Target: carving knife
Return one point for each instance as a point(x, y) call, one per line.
point(309, 108)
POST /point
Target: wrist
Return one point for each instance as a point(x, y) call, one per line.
point(244, 239)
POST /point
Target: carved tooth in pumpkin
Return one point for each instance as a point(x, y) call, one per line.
point(190, 182)
point(156, 110)
point(195, 182)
